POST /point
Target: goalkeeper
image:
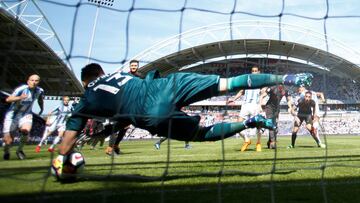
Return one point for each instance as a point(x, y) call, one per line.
point(154, 103)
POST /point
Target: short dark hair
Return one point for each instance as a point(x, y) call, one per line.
point(134, 61)
point(91, 71)
point(308, 92)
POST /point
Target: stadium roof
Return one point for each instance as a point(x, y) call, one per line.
point(202, 53)
point(23, 53)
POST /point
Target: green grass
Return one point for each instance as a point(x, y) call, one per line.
point(201, 174)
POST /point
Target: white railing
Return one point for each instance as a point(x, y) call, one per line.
point(28, 12)
point(246, 30)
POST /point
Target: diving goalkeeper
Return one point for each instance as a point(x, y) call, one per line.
point(154, 103)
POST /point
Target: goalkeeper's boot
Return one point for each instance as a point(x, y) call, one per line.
point(300, 79)
point(37, 149)
point(321, 145)
point(259, 121)
point(290, 147)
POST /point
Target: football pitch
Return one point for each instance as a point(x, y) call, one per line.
point(209, 172)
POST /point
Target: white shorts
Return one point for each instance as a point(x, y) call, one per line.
point(12, 124)
point(56, 126)
point(249, 110)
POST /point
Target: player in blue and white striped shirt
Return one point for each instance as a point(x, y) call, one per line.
point(250, 107)
point(61, 113)
point(19, 114)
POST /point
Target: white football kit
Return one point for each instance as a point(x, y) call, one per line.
point(250, 106)
point(62, 113)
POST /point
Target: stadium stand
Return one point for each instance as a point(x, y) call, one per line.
point(32, 55)
point(337, 89)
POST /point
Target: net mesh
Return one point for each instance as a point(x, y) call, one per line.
point(172, 164)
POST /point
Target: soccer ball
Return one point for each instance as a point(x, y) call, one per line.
point(73, 166)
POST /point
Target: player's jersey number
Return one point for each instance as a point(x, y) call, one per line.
point(122, 80)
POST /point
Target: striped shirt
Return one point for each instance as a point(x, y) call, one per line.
point(24, 106)
point(62, 113)
point(252, 96)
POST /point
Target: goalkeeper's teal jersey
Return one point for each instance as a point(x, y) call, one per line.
point(144, 103)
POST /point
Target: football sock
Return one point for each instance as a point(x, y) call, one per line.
point(316, 132)
point(115, 139)
point(120, 136)
point(244, 136)
point(43, 138)
point(315, 135)
point(293, 138)
point(102, 141)
point(253, 81)
point(94, 143)
point(219, 131)
point(7, 148)
point(23, 138)
point(112, 140)
point(258, 134)
point(56, 141)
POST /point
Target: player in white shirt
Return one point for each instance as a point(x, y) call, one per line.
point(19, 115)
point(250, 107)
point(61, 113)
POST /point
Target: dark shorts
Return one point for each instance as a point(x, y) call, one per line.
point(179, 126)
point(307, 119)
point(271, 113)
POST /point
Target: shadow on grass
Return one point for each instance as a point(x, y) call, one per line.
point(332, 190)
point(266, 162)
point(165, 177)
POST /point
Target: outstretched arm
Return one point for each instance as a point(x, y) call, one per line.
point(254, 81)
point(14, 98)
point(321, 95)
point(236, 97)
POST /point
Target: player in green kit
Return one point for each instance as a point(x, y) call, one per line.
point(154, 103)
